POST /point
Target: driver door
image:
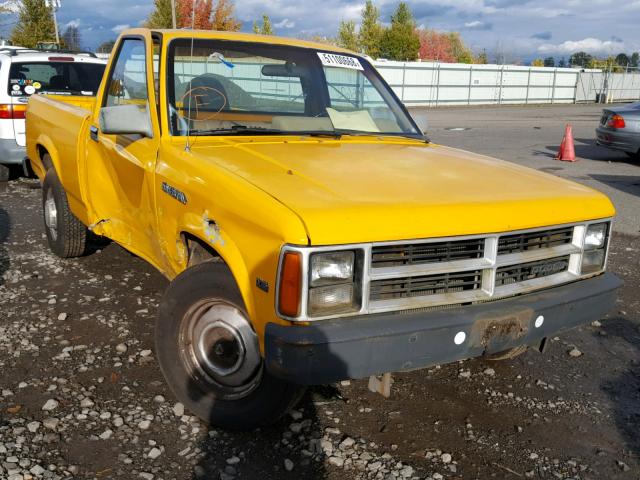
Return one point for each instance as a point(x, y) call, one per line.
point(120, 167)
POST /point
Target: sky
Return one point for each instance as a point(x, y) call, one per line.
point(517, 29)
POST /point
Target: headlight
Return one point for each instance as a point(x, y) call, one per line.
point(596, 236)
point(595, 248)
point(334, 283)
point(333, 267)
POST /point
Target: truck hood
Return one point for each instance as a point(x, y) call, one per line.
point(360, 190)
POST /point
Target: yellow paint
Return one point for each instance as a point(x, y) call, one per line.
point(248, 196)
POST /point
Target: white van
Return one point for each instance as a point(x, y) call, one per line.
point(24, 72)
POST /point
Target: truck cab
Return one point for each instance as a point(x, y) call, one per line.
point(311, 232)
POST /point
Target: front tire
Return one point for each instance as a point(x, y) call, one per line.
point(5, 172)
point(209, 354)
point(67, 236)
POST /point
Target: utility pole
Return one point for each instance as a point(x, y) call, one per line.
point(54, 5)
point(173, 13)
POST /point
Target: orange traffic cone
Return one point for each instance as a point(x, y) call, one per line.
point(567, 151)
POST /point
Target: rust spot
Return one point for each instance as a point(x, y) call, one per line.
point(500, 330)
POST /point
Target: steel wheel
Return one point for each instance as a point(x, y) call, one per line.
point(219, 349)
point(51, 215)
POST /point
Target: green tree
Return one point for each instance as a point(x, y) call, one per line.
point(401, 41)
point(623, 60)
point(161, 16)
point(371, 31)
point(581, 59)
point(562, 63)
point(265, 29)
point(71, 38)
point(106, 47)
point(460, 51)
point(347, 37)
point(549, 62)
point(634, 60)
point(35, 24)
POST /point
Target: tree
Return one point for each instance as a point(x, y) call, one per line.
point(581, 59)
point(35, 24)
point(549, 62)
point(482, 58)
point(347, 37)
point(200, 17)
point(562, 63)
point(634, 60)
point(370, 34)
point(400, 41)
point(445, 47)
point(622, 60)
point(224, 18)
point(161, 16)
point(71, 38)
point(538, 62)
point(265, 29)
point(106, 47)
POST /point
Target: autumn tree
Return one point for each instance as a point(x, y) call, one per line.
point(347, 37)
point(224, 17)
point(400, 41)
point(538, 62)
point(161, 16)
point(371, 31)
point(200, 17)
point(482, 58)
point(446, 47)
point(71, 38)
point(35, 24)
point(265, 29)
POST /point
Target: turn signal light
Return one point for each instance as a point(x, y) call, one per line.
point(616, 121)
point(12, 112)
point(290, 284)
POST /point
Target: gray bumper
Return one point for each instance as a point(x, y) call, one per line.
point(10, 152)
point(624, 141)
point(339, 349)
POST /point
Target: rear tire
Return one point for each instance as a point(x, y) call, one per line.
point(635, 156)
point(217, 372)
point(67, 236)
point(4, 173)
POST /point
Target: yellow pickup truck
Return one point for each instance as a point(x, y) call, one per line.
point(310, 231)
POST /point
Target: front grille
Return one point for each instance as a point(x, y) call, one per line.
point(426, 285)
point(522, 242)
point(422, 253)
point(528, 271)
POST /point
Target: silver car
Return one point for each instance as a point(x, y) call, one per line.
point(620, 129)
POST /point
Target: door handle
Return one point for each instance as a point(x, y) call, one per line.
point(93, 133)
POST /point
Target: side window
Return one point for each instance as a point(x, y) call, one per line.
point(128, 82)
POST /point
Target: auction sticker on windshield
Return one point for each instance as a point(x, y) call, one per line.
point(341, 61)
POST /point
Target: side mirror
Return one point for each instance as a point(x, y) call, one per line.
point(126, 120)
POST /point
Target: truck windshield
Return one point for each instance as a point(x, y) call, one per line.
point(63, 78)
point(243, 88)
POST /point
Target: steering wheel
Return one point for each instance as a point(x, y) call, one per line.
point(197, 95)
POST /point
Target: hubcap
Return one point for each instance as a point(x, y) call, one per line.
point(220, 349)
point(51, 215)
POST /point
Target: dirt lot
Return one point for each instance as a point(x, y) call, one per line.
point(82, 395)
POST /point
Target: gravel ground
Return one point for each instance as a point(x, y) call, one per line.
point(82, 395)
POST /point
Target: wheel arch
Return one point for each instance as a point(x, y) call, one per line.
point(210, 244)
point(44, 145)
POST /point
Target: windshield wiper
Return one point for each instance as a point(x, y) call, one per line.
point(356, 133)
point(249, 130)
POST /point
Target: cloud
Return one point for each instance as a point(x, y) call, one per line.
point(119, 28)
point(72, 23)
point(590, 45)
point(478, 25)
point(542, 36)
point(285, 23)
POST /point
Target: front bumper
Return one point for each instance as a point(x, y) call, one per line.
point(333, 350)
point(624, 141)
point(10, 152)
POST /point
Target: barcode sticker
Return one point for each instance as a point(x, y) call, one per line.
point(340, 61)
